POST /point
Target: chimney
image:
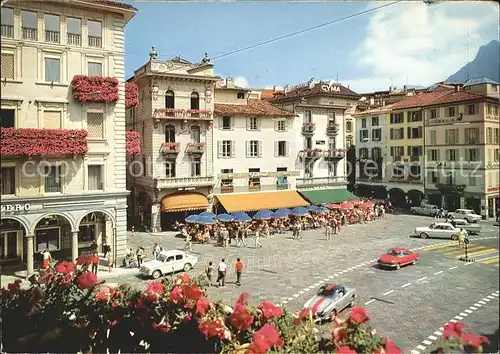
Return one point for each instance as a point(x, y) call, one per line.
point(229, 82)
point(457, 88)
point(372, 101)
point(274, 88)
point(405, 89)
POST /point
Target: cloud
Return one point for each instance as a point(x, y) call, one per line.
point(418, 44)
point(241, 82)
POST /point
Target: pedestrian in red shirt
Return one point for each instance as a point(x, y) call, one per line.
point(95, 262)
point(239, 269)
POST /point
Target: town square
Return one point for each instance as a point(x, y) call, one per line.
point(164, 190)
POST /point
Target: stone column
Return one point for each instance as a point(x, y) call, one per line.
point(30, 254)
point(443, 202)
point(484, 208)
point(462, 202)
point(74, 245)
point(155, 217)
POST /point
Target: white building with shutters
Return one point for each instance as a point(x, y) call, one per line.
point(255, 142)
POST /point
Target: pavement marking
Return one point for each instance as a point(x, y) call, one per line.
point(469, 263)
point(369, 302)
point(473, 308)
point(387, 293)
point(463, 314)
point(489, 260)
point(407, 284)
point(414, 352)
point(290, 298)
point(426, 342)
point(296, 295)
point(451, 268)
point(491, 297)
point(432, 337)
point(438, 272)
point(301, 292)
point(284, 302)
point(453, 320)
point(350, 268)
point(421, 347)
point(336, 275)
point(331, 277)
point(422, 279)
point(481, 302)
point(482, 253)
point(438, 333)
point(486, 299)
point(469, 311)
point(459, 318)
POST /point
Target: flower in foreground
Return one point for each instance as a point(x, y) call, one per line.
point(345, 350)
point(175, 295)
point(266, 338)
point(240, 318)
point(202, 307)
point(64, 267)
point(453, 329)
point(213, 328)
point(270, 310)
point(359, 315)
point(474, 341)
point(192, 292)
point(87, 280)
point(154, 289)
point(391, 347)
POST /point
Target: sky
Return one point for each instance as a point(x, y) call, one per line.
point(408, 43)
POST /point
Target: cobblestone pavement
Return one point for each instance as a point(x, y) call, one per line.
point(407, 305)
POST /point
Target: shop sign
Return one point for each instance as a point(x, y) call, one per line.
point(320, 142)
point(330, 88)
point(284, 174)
point(15, 207)
point(155, 209)
point(441, 121)
point(257, 174)
point(493, 189)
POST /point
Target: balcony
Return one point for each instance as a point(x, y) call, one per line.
point(451, 188)
point(74, 39)
point(310, 153)
point(95, 42)
point(334, 154)
point(254, 188)
point(177, 113)
point(227, 188)
point(314, 182)
point(170, 150)
point(8, 31)
point(30, 33)
point(52, 36)
point(308, 128)
point(332, 129)
point(415, 158)
point(195, 149)
point(177, 182)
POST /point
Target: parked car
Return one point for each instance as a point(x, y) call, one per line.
point(329, 301)
point(438, 230)
point(466, 214)
point(168, 262)
point(425, 209)
point(398, 257)
point(474, 229)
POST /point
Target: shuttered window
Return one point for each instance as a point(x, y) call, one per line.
point(52, 119)
point(95, 125)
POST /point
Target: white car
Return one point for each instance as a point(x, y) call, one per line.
point(168, 262)
point(425, 209)
point(438, 230)
point(466, 214)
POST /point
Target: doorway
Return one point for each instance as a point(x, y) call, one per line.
point(9, 245)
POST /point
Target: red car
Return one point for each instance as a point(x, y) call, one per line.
point(397, 257)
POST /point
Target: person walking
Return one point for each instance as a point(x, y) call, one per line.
point(239, 269)
point(189, 243)
point(140, 256)
point(256, 238)
point(225, 237)
point(210, 272)
point(95, 262)
point(221, 277)
point(299, 229)
point(328, 231)
point(266, 229)
point(110, 260)
point(46, 258)
point(156, 251)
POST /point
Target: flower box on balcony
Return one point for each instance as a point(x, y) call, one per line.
point(311, 153)
point(228, 188)
point(170, 148)
point(198, 113)
point(94, 89)
point(335, 154)
point(169, 113)
point(254, 187)
point(133, 145)
point(195, 148)
point(43, 142)
point(332, 129)
point(131, 94)
point(308, 128)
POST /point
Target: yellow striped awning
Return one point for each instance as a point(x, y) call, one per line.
point(184, 202)
point(260, 201)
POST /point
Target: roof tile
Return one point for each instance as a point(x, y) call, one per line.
point(252, 108)
point(315, 91)
point(420, 100)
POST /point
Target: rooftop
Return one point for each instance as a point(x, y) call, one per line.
point(252, 108)
point(316, 89)
point(421, 99)
point(479, 81)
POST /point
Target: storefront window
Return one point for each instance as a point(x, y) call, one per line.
point(47, 238)
point(86, 233)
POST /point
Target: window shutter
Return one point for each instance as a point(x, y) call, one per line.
point(220, 122)
point(259, 123)
point(276, 148)
point(402, 132)
point(392, 137)
point(249, 121)
point(287, 148)
point(232, 123)
point(276, 125)
point(408, 131)
point(219, 149)
point(247, 149)
point(392, 148)
point(287, 123)
point(233, 148)
point(260, 148)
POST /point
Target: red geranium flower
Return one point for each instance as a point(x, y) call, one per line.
point(471, 340)
point(240, 318)
point(212, 328)
point(154, 288)
point(302, 315)
point(242, 299)
point(359, 315)
point(345, 350)
point(391, 347)
point(453, 329)
point(162, 326)
point(339, 334)
point(84, 260)
point(266, 338)
point(184, 278)
point(64, 267)
point(192, 292)
point(87, 280)
point(175, 295)
point(202, 307)
point(101, 296)
point(270, 310)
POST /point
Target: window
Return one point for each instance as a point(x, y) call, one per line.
point(53, 179)
point(450, 111)
point(398, 171)
point(254, 148)
point(489, 135)
point(397, 133)
point(52, 119)
point(252, 123)
point(308, 143)
point(397, 118)
point(8, 181)
point(415, 116)
point(29, 21)
point(363, 153)
point(74, 29)
point(280, 125)
point(348, 142)
point(451, 154)
point(332, 143)
point(253, 181)
point(95, 178)
point(240, 95)
point(472, 135)
point(496, 155)
point(494, 88)
point(170, 134)
point(363, 134)
point(331, 117)
point(226, 181)
point(363, 123)
point(433, 113)
point(8, 66)
point(377, 134)
point(95, 125)
point(94, 68)
point(415, 151)
point(433, 137)
point(375, 122)
point(227, 123)
point(472, 181)
point(471, 109)
point(170, 169)
point(226, 148)
point(415, 133)
point(52, 70)
point(281, 148)
point(195, 134)
point(196, 167)
point(433, 155)
point(8, 118)
point(169, 99)
point(7, 22)
point(195, 100)
point(307, 117)
point(415, 172)
point(496, 136)
point(348, 126)
point(95, 34)
point(47, 238)
point(488, 109)
point(376, 154)
point(332, 169)
point(52, 28)
point(397, 151)
point(472, 155)
point(451, 136)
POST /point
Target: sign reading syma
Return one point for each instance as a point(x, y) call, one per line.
point(330, 88)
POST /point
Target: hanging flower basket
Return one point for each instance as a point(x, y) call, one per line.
point(133, 143)
point(94, 89)
point(131, 94)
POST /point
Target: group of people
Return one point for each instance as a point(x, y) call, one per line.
point(222, 272)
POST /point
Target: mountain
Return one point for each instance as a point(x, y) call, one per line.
point(485, 64)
